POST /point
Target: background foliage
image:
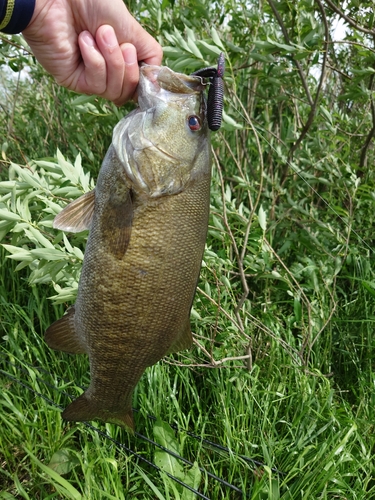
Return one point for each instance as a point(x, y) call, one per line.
point(282, 370)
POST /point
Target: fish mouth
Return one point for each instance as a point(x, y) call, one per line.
point(157, 78)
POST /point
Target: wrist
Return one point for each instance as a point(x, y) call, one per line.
point(15, 15)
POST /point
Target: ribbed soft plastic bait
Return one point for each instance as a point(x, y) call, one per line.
point(216, 92)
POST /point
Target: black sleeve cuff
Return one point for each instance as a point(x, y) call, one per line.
point(21, 16)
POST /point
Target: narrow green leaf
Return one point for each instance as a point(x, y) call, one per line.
point(326, 113)
point(194, 49)
point(369, 286)
point(42, 240)
point(190, 33)
point(261, 57)
point(68, 169)
point(180, 41)
point(363, 71)
point(230, 123)
point(48, 253)
point(297, 309)
point(7, 215)
point(67, 244)
point(183, 63)
point(6, 496)
point(209, 49)
point(31, 179)
point(216, 38)
point(83, 99)
point(151, 485)
point(262, 218)
point(169, 52)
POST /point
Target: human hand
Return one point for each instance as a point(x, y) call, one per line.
point(91, 46)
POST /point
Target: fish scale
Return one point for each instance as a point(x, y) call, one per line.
point(148, 218)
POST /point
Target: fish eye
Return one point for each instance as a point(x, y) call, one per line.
point(194, 122)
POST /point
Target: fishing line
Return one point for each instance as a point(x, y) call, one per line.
point(187, 462)
point(103, 434)
point(219, 447)
point(209, 443)
point(121, 445)
point(298, 172)
point(15, 379)
point(140, 436)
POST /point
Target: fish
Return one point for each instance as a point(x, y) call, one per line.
point(147, 219)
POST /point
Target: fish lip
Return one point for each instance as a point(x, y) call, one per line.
point(162, 77)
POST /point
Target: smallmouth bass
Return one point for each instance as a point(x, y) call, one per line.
point(148, 218)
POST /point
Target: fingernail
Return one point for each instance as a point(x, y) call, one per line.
point(109, 37)
point(129, 54)
point(87, 39)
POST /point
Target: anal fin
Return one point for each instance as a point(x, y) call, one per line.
point(62, 336)
point(184, 339)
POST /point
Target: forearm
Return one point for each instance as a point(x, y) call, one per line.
point(15, 15)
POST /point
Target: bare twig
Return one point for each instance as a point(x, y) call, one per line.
point(348, 19)
point(287, 39)
point(293, 352)
point(302, 294)
point(314, 104)
point(336, 70)
point(222, 310)
point(234, 244)
point(261, 165)
point(241, 258)
point(334, 302)
point(17, 45)
point(371, 134)
point(258, 324)
point(220, 361)
point(350, 42)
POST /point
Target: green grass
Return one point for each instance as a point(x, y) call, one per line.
point(279, 414)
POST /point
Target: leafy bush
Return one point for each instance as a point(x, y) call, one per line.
point(28, 206)
point(286, 299)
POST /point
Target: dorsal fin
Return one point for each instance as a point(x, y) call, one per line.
point(77, 216)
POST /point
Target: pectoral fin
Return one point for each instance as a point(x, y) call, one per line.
point(116, 225)
point(77, 216)
point(62, 336)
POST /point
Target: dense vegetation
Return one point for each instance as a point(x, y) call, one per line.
point(282, 370)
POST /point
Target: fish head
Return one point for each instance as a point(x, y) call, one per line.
point(164, 144)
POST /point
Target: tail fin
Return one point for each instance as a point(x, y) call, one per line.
point(85, 409)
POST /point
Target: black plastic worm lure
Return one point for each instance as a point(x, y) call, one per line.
point(215, 93)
